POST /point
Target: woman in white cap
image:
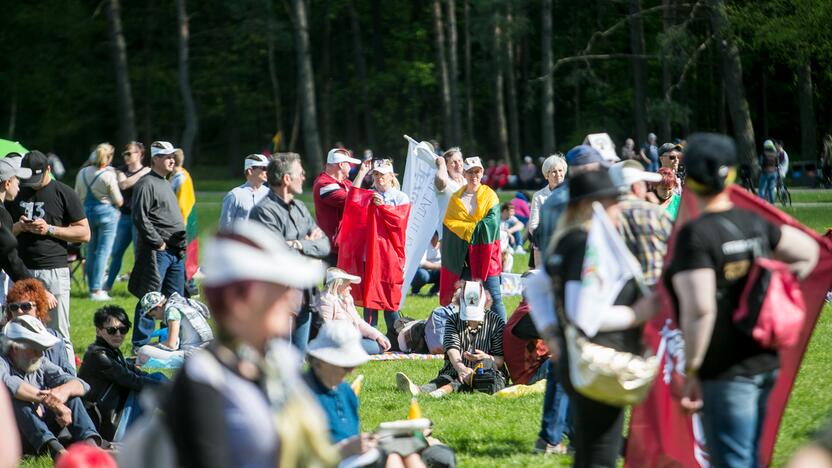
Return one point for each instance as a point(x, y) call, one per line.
point(332, 355)
point(336, 303)
point(242, 401)
point(554, 170)
point(473, 338)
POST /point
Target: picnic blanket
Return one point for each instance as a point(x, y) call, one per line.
point(394, 356)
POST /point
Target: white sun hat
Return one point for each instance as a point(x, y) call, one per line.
point(472, 301)
point(338, 343)
point(250, 251)
point(333, 274)
point(30, 332)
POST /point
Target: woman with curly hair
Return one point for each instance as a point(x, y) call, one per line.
point(29, 297)
point(666, 192)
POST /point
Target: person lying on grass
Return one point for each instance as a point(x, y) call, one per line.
point(473, 338)
point(336, 303)
point(332, 355)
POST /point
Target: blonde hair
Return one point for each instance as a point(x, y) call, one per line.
point(576, 216)
point(179, 157)
point(104, 154)
point(333, 286)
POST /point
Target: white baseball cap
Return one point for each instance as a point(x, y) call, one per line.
point(250, 251)
point(161, 148)
point(339, 155)
point(472, 162)
point(255, 160)
point(626, 173)
point(333, 274)
point(338, 343)
point(472, 301)
point(384, 166)
point(9, 169)
point(29, 331)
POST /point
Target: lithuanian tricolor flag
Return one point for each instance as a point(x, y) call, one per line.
point(187, 201)
point(470, 241)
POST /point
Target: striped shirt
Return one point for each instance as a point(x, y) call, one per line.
point(645, 228)
point(488, 338)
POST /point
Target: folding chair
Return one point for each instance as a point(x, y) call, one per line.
point(76, 260)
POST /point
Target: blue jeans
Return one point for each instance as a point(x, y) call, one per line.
point(555, 421)
point(300, 331)
point(733, 414)
point(124, 236)
point(768, 182)
point(424, 277)
point(102, 219)
point(171, 271)
point(371, 346)
point(390, 317)
point(35, 431)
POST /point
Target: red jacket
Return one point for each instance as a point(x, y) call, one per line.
point(329, 195)
point(523, 357)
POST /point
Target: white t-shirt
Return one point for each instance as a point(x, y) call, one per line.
point(469, 201)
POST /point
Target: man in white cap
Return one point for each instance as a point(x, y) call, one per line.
point(45, 398)
point(238, 203)
point(644, 226)
point(281, 212)
point(329, 192)
point(236, 401)
point(49, 216)
point(160, 240)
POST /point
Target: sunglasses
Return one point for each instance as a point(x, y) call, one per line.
point(112, 330)
point(24, 306)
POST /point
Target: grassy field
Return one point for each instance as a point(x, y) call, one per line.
point(485, 431)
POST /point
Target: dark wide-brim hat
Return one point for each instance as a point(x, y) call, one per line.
point(711, 161)
point(592, 185)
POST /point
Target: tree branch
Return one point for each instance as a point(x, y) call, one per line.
point(690, 63)
point(587, 58)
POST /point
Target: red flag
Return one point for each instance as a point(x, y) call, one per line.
point(661, 435)
point(371, 245)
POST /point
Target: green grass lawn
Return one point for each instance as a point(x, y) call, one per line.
point(486, 431)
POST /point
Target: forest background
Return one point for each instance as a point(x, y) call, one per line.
point(500, 78)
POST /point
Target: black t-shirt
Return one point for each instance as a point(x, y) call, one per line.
point(58, 205)
point(127, 194)
point(710, 242)
point(566, 264)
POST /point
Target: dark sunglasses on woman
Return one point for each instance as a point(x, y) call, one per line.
point(24, 306)
point(112, 330)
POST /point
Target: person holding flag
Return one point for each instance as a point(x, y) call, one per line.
point(183, 187)
point(372, 241)
point(596, 283)
point(471, 238)
point(729, 375)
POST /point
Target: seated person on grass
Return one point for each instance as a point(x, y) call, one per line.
point(336, 303)
point(29, 297)
point(114, 383)
point(473, 338)
point(45, 398)
point(428, 272)
point(333, 354)
point(187, 326)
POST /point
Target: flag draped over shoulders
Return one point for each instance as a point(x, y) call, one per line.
point(661, 434)
point(470, 240)
point(371, 245)
point(186, 196)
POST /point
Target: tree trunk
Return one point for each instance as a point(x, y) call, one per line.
point(734, 89)
point(124, 96)
point(667, 78)
point(548, 90)
point(442, 74)
point(764, 98)
point(325, 81)
point(508, 66)
point(469, 103)
point(191, 119)
point(499, 101)
point(306, 87)
point(639, 70)
point(453, 79)
point(361, 69)
point(808, 127)
point(278, 109)
point(12, 115)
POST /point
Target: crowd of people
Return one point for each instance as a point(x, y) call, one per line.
point(281, 285)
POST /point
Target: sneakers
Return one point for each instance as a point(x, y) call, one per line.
point(541, 446)
point(404, 384)
point(438, 393)
point(519, 250)
point(100, 295)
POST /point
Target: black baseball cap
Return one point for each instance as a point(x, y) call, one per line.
point(711, 161)
point(667, 147)
point(38, 163)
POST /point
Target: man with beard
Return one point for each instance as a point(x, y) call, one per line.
point(45, 398)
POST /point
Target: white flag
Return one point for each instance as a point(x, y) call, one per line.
point(608, 266)
point(425, 210)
